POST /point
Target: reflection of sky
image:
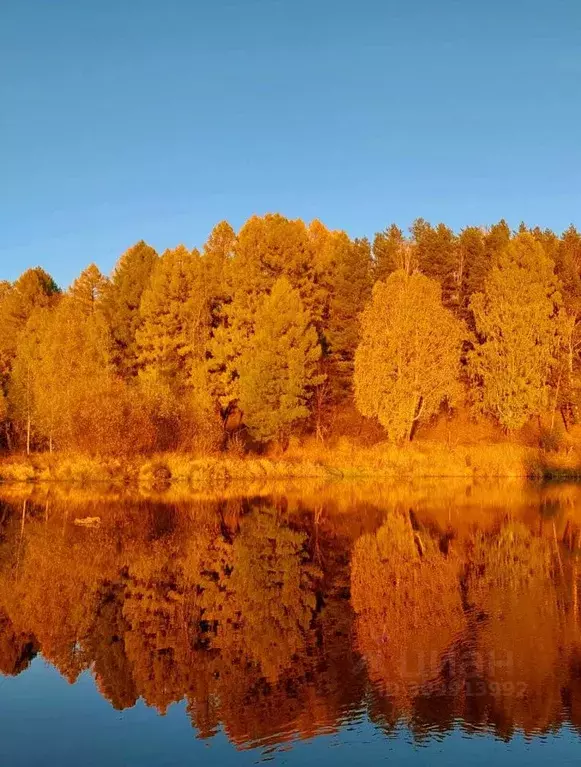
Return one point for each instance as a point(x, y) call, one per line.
point(46, 721)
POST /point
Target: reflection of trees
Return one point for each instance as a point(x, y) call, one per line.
point(51, 589)
point(165, 604)
point(106, 646)
point(267, 600)
point(406, 594)
point(520, 639)
point(258, 614)
point(17, 648)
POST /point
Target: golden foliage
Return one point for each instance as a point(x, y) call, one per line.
point(407, 597)
point(408, 360)
point(258, 612)
point(277, 368)
point(253, 340)
point(517, 322)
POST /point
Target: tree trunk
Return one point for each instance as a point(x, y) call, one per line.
point(553, 414)
point(28, 435)
point(414, 423)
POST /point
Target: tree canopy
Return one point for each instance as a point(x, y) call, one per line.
point(284, 327)
point(408, 360)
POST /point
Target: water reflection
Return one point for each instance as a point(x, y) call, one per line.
point(291, 611)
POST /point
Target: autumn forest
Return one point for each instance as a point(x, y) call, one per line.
point(286, 331)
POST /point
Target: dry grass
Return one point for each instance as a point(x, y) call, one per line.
point(311, 460)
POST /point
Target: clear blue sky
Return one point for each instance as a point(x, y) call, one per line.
point(129, 119)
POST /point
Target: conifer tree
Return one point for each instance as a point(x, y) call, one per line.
point(34, 289)
point(122, 300)
point(88, 289)
point(567, 257)
point(225, 348)
point(437, 256)
point(408, 360)
point(5, 288)
point(217, 258)
point(571, 242)
point(392, 251)
point(266, 249)
point(517, 320)
point(175, 316)
point(473, 265)
point(495, 241)
point(350, 291)
point(278, 367)
point(323, 242)
point(269, 247)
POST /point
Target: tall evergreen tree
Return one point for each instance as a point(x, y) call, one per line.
point(270, 247)
point(278, 366)
point(437, 256)
point(473, 265)
point(175, 317)
point(392, 251)
point(88, 289)
point(217, 258)
point(122, 300)
point(571, 242)
point(349, 293)
point(496, 240)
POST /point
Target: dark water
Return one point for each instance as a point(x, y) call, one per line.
point(418, 624)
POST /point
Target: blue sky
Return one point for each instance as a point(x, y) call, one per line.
point(130, 119)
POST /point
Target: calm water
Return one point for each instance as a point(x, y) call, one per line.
point(418, 624)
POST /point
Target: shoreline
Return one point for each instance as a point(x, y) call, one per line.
point(342, 462)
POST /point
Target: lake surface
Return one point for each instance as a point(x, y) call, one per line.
point(415, 623)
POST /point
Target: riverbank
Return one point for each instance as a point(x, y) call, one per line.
point(344, 460)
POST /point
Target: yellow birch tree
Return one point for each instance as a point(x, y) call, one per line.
point(408, 360)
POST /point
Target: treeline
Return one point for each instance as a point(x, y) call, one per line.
point(275, 330)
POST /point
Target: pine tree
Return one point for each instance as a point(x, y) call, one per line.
point(350, 290)
point(88, 289)
point(5, 288)
point(567, 257)
point(269, 247)
point(175, 317)
point(408, 360)
point(391, 251)
point(266, 249)
point(217, 258)
point(437, 255)
point(571, 242)
point(122, 300)
point(473, 265)
point(225, 348)
point(495, 241)
point(278, 367)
